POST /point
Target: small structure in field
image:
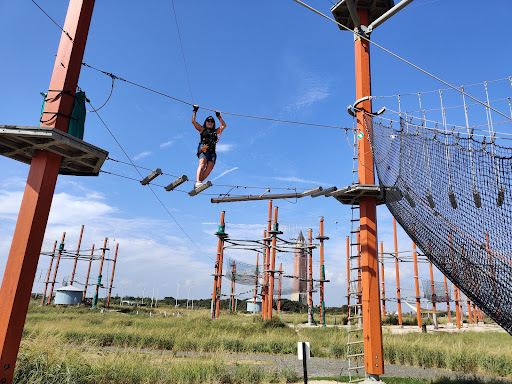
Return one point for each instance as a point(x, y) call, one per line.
point(68, 295)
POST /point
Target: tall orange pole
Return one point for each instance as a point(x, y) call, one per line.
point(457, 309)
point(49, 272)
point(416, 283)
point(383, 294)
point(216, 276)
point(348, 275)
point(475, 314)
point(447, 300)
point(219, 282)
point(310, 277)
point(280, 284)
point(461, 301)
point(397, 273)
point(112, 277)
point(88, 273)
point(98, 283)
point(321, 237)
point(433, 293)
point(272, 266)
point(266, 264)
point(372, 333)
point(27, 240)
point(77, 254)
point(59, 254)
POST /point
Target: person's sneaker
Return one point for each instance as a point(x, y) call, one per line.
point(197, 185)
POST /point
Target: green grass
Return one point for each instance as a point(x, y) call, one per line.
point(72, 332)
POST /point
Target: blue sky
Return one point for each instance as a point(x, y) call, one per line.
point(268, 58)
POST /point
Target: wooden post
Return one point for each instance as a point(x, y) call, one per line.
point(27, 240)
point(310, 277)
point(383, 294)
point(279, 293)
point(49, 272)
point(59, 254)
point(272, 267)
point(88, 273)
point(397, 273)
point(416, 283)
point(95, 299)
point(216, 276)
point(77, 254)
point(112, 277)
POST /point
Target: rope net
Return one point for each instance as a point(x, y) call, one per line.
point(439, 295)
point(452, 194)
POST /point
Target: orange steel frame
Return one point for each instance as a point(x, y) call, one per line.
point(28, 236)
point(322, 272)
point(433, 291)
point(216, 273)
point(77, 254)
point(447, 300)
point(416, 283)
point(272, 268)
point(112, 277)
point(372, 333)
point(49, 272)
point(88, 273)
point(397, 273)
point(266, 265)
point(457, 307)
point(383, 294)
point(61, 248)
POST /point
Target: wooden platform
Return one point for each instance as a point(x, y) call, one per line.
point(78, 157)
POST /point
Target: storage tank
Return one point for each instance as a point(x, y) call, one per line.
point(68, 295)
point(252, 307)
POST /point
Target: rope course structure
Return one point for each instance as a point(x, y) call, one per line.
point(271, 246)
point(452, 195)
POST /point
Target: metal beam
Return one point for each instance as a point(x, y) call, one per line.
point(388, 14)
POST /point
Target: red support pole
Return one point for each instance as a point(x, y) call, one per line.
point(112, 277)
point(266, 265)
point(49, 272)
point(461, 301)
point(433, 293)
point(383, 294)
point(397, 273)
point(321, 237)
point(310, 277)
point(447, 300)
point(416, 283)
point(59, 254)
point(219, 282)
point(272, 267)
point(77, 254)
point(216, 276)
point(28, 236)
point(88, 273)
point(457, 308)
point(279, 293)
point(348, 275)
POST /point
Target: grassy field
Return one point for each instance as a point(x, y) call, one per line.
point(80, 345)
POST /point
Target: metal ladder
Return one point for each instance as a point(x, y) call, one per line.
point(355, 340)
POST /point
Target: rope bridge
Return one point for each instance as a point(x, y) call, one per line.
point(452, 194)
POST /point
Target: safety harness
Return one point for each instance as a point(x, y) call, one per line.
point(208, 141)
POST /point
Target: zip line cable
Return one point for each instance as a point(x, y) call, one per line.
point(209, 109)
point(54, 22)
point(151, 189)
point(399, 57)
point(182, 51)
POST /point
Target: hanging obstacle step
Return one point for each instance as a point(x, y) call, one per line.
point(200, 188)
point(78, 157)
point(152, 176)
point(180, 180)
point(295, 195)
point(352, 194)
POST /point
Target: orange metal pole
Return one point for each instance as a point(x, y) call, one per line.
point(216, 269)
point(219, 282)
point(397, 273)
point(310, 277)
point(447, 300)
point(433, 293)
point(266, 264)
point(461, 301)
point(95, 299)
point(88, 272)
point(49, 271)
point(77, 254)
point(416, 283)
point(475, 316)
point(348, 275)
point(279, 294)
point(112, 277)
point(321, 237)
point(457, 309)
point(272, 267)
point(21, 266)
point(372, 333)
point(59, 254)
point(383, 294)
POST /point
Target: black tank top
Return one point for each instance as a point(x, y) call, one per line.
point(209, 137)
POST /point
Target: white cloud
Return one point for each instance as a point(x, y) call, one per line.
point(224, 147)
point(225, 172)
point(167, 144)
point(142, 155)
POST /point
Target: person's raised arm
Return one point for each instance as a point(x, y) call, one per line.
point(222, 123)
point(197, 126)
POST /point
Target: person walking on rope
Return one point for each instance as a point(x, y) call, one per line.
point(206, 148)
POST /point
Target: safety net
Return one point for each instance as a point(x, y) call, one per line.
point(451, 193)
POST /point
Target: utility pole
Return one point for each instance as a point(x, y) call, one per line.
point(76, 257)
point(61, 249)
point(28, 235)
point(98, 284)
point(112, 277)
point(49, 272)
